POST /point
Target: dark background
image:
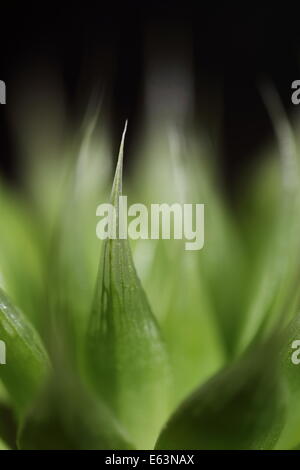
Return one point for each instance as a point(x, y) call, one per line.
point(231, 50)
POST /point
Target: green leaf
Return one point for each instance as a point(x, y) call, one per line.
point(290, 437)
point(126, 357)
point(67, 417)
point(190, 329)
point(21, 258)
point(276, 222)
point(8, 426)
point(3, 446)
point(176, 280)
point(26, 359)
point(74, 250)
point(242, 407)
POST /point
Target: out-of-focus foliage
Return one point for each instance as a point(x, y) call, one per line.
point(163, 347)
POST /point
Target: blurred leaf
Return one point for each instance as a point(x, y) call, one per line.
point(74, 254)
point(8, 426)
point(242, 407)
point(67, 417)
point(126, 358)
point(184, 307)
point(277, 238)
point(26, 359)
point(183, 172)
point(290, 437)
point(190, 328)
point(3, 446)
point(21, 257)
point(4, 397)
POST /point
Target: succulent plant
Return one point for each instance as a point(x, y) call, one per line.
point(163, 348)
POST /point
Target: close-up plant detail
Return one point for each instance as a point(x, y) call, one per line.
point(140, 344)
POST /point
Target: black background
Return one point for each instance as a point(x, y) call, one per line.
point(232, 49)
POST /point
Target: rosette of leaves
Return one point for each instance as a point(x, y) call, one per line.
point(90, 365)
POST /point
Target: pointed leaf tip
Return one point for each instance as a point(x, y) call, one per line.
point(117, 184)
point(126, 358)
